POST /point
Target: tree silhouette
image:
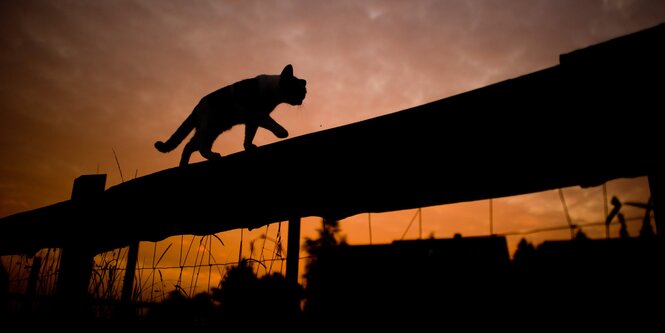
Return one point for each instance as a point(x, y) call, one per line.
point(317, 270)
point(524, 277)
point(238, 292)
point(179, 311)
point(581, 236)
point(245, 297)
point(524, 255)
point(240, 300)
point(276, 297)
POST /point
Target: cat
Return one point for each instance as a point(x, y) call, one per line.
point(247, 102)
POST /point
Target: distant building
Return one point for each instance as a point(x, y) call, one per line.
point(408, 279)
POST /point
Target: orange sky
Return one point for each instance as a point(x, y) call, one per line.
point(79, 79)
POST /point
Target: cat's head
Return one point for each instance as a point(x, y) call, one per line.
point(291, 88)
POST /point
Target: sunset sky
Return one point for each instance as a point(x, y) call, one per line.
point(81, 79)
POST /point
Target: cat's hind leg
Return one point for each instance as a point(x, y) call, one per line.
point(277, 129)
point(210, 155)
point(190, 147)
point(206, 151)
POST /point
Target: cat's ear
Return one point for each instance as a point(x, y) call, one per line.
point(287, 71)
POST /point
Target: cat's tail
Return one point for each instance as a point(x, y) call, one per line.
point(177, 137)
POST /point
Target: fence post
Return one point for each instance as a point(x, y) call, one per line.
point(76, 259)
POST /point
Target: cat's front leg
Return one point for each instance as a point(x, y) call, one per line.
point(250, 132)
point(277, 129)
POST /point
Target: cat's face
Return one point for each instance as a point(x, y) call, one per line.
point(291, 88)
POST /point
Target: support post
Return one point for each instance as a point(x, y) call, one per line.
point(130, 271)
point(292, 262)
point(293, 251)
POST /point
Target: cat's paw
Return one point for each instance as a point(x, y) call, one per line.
point(250, 146)
point(282, 134)
point(215, 157)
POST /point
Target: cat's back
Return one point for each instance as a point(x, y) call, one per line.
point(219, 96)
point(246, 90)
point(242, 90)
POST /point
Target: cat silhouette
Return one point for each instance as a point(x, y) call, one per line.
point(247, 102)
